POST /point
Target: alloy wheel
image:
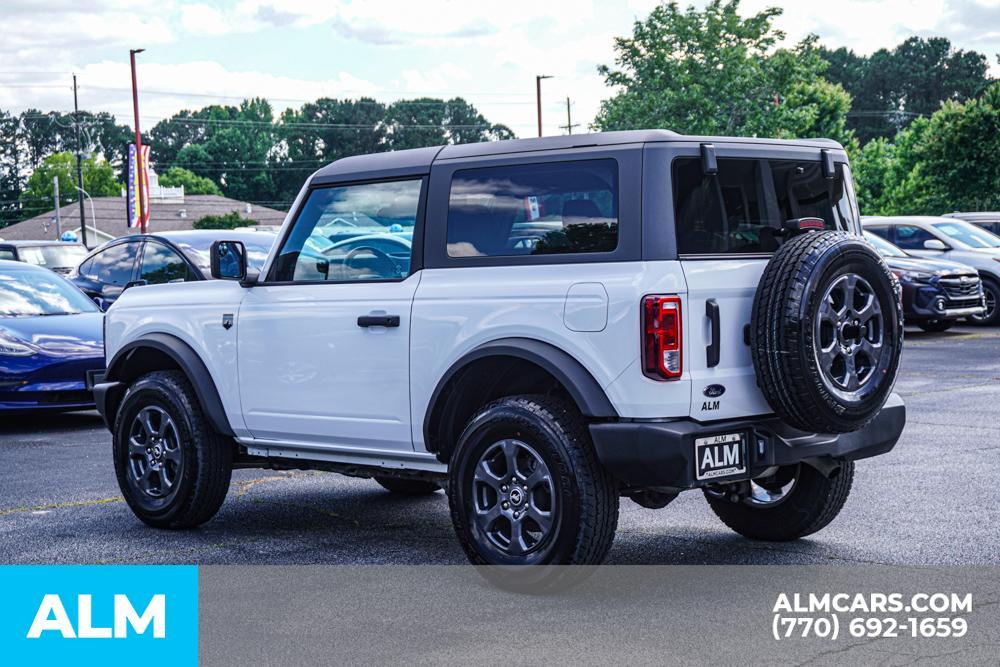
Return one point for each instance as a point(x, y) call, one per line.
point(513, 498)
point(154, 452)
point(850, 331)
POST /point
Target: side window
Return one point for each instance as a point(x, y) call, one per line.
point(909, 237)
point(7, 253)
point(352, 233)
point(881, 232)
point(160, 264)
point(536, 209)
point(739, 209)
point(114, 265)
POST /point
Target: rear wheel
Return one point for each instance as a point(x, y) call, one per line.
point(991, 290)
point(794, 502)
point(936, 326)
point(172, 468)
point(408, 487)
point(526, 488)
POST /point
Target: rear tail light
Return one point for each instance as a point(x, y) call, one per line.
point(661, 337)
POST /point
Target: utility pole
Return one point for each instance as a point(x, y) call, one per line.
point(569, 120)
point(141, 194)
point(79, 164)
point(538, 98)
point(55, 195)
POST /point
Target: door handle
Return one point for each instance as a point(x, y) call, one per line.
point(378, 321)
point(712, 349)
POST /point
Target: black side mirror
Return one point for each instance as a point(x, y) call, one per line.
point(229, 260)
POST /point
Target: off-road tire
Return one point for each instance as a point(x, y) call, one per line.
point(783, 339)
point(991, 287)
point(936, 326)
point(585, 507)
point(810, 506)
point(408, 487)
point(207, 457)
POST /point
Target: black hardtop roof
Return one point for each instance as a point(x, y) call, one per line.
point(419, 160)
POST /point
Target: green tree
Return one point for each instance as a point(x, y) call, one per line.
point(230, 220)
point(98, 180)
point(893, 86)
point(193, 184)
point(716, 72)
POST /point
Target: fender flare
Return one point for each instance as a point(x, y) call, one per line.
point(582, 387)
point(190, 364)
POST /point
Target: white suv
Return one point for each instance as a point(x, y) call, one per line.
point(541, 326)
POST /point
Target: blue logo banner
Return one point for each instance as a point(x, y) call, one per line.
point(98, 614)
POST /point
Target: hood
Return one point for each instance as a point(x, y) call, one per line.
point(937, 266)
point(82, 333)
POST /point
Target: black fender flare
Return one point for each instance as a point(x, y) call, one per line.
point(585, 391)
point(190, 364)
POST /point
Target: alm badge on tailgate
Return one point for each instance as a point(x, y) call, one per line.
point(720, 456)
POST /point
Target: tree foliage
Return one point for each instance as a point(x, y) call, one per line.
point(98, 180)
point(192, 182)
point(230, 220)
point(891, 87)
point(714, 71)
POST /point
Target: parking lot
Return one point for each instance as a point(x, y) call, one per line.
point(931, 501)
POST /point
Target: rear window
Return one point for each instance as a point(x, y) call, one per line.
point(738, 209)
point(538, 209)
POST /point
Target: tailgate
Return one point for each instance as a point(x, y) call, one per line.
point(730, 284)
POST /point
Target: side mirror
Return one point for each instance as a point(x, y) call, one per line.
point(135, 283)
point(935, 244)
point(229, 260)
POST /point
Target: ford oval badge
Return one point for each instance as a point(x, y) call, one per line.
point(714, 390)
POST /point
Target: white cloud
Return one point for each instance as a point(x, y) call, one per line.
point(201, 19)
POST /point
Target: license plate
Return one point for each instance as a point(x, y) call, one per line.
point(720, 456)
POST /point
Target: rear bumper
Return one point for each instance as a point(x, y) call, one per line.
point(661, 454)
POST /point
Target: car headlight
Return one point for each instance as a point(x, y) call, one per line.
point(12, 348)
point(914, 276)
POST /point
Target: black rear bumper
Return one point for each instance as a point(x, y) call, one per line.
point(661, 454)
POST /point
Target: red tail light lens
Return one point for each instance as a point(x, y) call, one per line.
point(661, 337)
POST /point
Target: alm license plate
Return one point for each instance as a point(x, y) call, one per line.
point(720, 456)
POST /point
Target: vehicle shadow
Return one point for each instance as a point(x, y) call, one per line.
point(33, 422)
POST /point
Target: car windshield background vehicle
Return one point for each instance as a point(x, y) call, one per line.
point(884, 248)
point(970, 235)
point(739, 209)
point(315, 250)
point(540, 209)
point(52, 256)
point(36, 293)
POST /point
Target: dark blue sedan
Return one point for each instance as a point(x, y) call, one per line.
point(51, 341)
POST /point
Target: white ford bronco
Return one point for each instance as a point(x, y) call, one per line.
point(540, 326)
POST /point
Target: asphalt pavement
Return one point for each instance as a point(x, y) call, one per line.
point(932, 500)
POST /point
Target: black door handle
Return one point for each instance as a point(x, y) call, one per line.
point(378, 321)
point(712, 349)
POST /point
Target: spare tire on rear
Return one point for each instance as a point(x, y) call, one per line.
point(826, 332)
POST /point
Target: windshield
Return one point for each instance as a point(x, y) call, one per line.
point(198, 251)
point(53, 256)
point(33, 293)
point(884, 248)
point(968, 234)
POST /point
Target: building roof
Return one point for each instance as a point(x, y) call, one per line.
point(164, 216)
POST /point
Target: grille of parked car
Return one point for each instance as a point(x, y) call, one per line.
point(961, 288)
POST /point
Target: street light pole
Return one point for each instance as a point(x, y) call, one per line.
point(141, 194)
point(538, 98)
point(79, 163)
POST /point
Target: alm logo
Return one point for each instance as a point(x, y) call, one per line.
point(52, 617)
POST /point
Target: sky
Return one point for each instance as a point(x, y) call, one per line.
point(293, 51)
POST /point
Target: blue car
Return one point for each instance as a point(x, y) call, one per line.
point(51, 341)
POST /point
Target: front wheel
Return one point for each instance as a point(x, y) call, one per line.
point(793, 502)
point(526, 488)
point(172, 468)
point(991, 290)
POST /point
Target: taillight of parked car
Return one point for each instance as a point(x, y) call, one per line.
point(661, 337)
